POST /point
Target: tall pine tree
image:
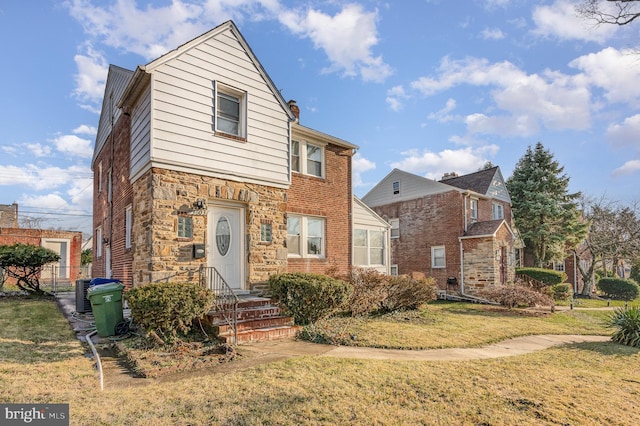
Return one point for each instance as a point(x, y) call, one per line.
point(546, 215)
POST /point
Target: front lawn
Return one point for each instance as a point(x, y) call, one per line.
point(590, 383)
point(452, 324)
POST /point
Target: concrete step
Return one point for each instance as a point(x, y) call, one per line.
point(242, 314)
point(254, 324)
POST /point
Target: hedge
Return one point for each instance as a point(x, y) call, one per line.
point(309, 297)
point(617, 288)
point(547, 276)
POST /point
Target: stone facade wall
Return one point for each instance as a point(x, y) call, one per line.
point(161, 196)
point(488, 261)
point(330, 198)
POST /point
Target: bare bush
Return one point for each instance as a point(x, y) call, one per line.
point(513, 296)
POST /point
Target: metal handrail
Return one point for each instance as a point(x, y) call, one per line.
point(226, 301)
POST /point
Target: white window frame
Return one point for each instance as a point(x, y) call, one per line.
point(99, 241)
point(303, 160)
point(224, 91)
point(393, 270)
point(395, 227)
point(497, 211)
point(110, 185)
point(395, 188)
point(558, 266)
point(128, 220)
point(473, 208)
point(100, 178)
point(368, 247)
point(303, 237)
point(295, 154)
point(434, 250)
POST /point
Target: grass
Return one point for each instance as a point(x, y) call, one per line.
point(451, 324)
point(586, 384)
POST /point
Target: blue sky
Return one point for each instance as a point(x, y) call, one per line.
point(426, 86)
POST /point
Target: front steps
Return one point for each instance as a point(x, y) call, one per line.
point(259, 320)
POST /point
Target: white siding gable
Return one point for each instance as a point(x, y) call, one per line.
point(180, 108)
point(498, 190)
point(402, 186)
point(366, 219)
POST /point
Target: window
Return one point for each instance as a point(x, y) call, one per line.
point(230, 116)
point(396, 188)
point(295, 156)
point(307, 158)
point(368, 247)
point(395, 228)
point(99, 178)
point(110, 185)
point(474, 209)
point(498, 211)
point(305, 236)
point(185, 227)
point(128, 216)
point(99, 242)
point(438, 259)
point(394, 270)
point(558, 266)
point(265, 233)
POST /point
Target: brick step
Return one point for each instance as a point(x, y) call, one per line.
point(261, 334)
point(254, 324)
point(246, 303)
point(257, 312)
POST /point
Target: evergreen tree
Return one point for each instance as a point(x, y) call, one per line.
point(546, 215)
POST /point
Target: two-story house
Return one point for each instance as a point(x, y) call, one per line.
point(199, 161)
point(457, 230)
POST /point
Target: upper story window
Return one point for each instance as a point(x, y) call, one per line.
point(100, 177)
point(128, 219)
point(438, 258)
point(473, 209)
point(231, 111)
point(396, 188)
point(498, 211)
point(99, 241)
point(305, 236)
point(395, 228)
point(307, 158)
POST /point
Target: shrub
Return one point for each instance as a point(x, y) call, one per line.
point(513, 296)
point(24, 262)
point(404, 292)
point(169, 308)
point(617, 288)
point(309, 297)
point(369, 290)
point(561, 292)
point(627, 324)
point(547, 276)
point(635, 271)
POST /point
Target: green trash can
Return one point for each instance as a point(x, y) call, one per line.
point(106, 303)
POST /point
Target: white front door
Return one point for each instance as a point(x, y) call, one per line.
point(226, 244)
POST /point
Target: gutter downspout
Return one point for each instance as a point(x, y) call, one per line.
point(461, 267)
point(575, 274)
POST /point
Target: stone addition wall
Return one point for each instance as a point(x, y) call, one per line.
point(483, 259)
point(161, 196)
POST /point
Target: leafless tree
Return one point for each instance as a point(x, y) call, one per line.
point(616, 12)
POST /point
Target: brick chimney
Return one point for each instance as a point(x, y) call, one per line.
point(294, 109)
point(449, 176)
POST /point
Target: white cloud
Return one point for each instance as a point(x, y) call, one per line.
point(626, 133)
point(528, 101)
point(347, 38)
point(561, 20)
point(360, 165)
point(74, 145)
point(492, 34)
point(617, 72)
point(84, 129)
point(434, 165)
point(395, 97)
point(51, 201)
point(38, 150)
point(41, 177)
point(629, 168)
point(443, 115)
point(91, 78)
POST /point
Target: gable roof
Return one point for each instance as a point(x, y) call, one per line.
point(478, 182)
point(411, 187)
point(487, 182)
point(488, 228)
point(139, 80)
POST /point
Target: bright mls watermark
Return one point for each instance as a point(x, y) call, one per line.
point(34, 414)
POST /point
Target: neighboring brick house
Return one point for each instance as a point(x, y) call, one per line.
point(199, 161)
point(457, 230)
point(9, 215)
point(67, 244)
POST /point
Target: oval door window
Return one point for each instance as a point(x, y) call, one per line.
point(223, 236)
